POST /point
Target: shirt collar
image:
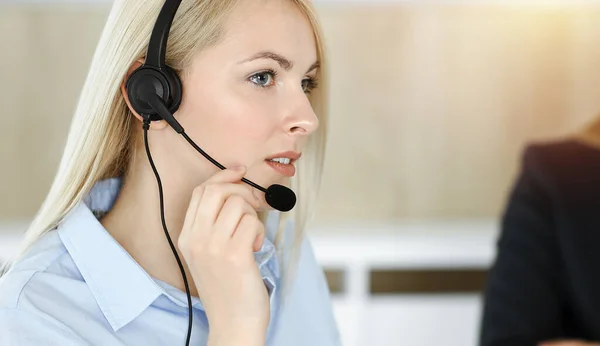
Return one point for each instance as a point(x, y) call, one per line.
point(121, 287)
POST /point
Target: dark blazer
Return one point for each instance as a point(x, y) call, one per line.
point(545, 282)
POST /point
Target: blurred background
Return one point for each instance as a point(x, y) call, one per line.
point(432, 103)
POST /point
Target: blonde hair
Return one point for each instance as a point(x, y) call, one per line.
point(101, 139)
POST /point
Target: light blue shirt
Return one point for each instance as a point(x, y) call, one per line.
point(78, 286)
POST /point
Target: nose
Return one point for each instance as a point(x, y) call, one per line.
point(301, 120)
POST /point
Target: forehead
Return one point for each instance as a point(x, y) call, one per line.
point(270, 25)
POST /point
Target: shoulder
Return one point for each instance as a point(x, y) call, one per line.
point(306, 303)
point(26, 292)
point(302, 273)
point(38, 273)
point(18, 327)
point(561, 162)
point(308, 281)
point(552, 155)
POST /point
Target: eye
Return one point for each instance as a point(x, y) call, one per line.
point(263, 79)
point(309, 84)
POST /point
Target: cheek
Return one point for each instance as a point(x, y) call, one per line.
point(243, 118)
point(230, 120)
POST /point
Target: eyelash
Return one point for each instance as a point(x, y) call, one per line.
point(312, 83)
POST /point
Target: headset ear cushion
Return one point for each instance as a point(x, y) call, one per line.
point(164, 82)
point(175, 89)
point(142, 81)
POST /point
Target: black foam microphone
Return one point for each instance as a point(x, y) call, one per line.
point(277, 196)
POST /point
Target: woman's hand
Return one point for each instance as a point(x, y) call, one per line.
point(220, 233)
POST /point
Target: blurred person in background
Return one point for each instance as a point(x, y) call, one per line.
point(96, 267)
point(544, 287)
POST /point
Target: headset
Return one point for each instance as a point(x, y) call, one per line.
point(155, 91)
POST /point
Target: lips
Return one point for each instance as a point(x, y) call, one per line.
point(292, 155)
point(286, 166)
point(284, 169)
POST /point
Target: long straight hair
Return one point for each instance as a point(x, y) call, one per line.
point(102, 140)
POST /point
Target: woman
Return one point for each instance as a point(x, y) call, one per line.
point(97, 269)
point(544, 287)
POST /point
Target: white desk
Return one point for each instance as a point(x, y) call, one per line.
point(412, 320)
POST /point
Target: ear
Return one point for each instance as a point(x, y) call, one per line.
point(154, 125)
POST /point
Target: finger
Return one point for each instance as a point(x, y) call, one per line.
point(214, 198)
point(249, 234)
point(234, 209)
point(190, 217)
point(258, 242)
point(190, 214)
point(230, 175)
point(227, 175)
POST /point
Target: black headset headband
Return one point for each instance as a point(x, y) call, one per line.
point(157, 47)
point(154, 77)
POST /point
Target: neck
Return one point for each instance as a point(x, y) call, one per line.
point(135, 221)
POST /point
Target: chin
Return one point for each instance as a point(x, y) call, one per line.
point(283, 181)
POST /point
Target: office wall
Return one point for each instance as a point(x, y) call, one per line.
point(430, 104)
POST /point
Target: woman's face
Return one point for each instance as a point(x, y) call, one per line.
point(245, 98)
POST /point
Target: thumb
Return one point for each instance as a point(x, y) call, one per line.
point(258, 242)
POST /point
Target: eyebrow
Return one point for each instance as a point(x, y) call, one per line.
point(283, 62)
